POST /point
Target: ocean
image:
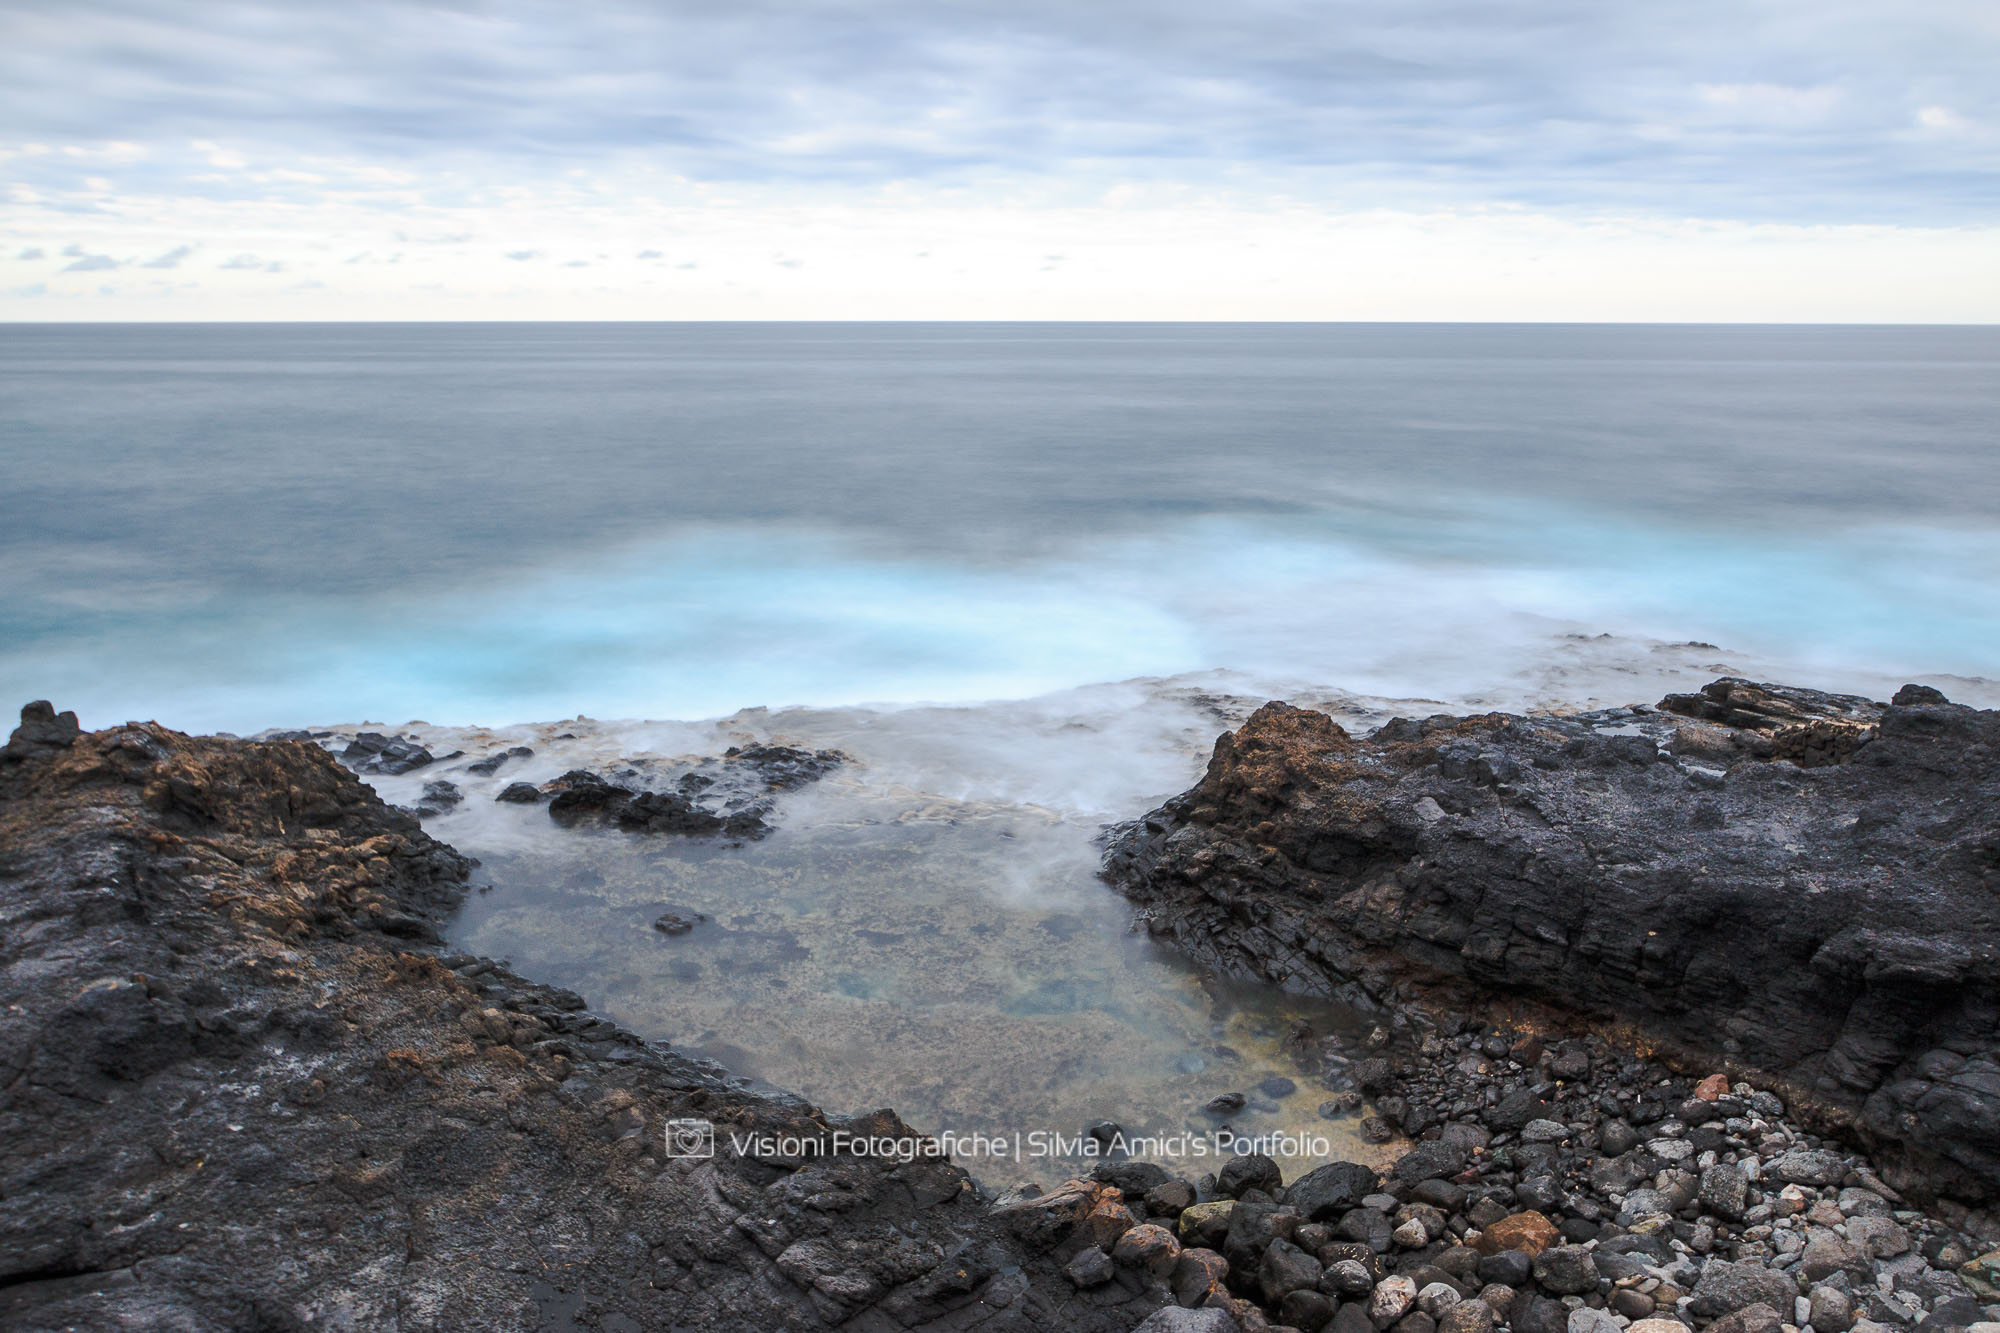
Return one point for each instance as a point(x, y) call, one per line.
point(1023, 574)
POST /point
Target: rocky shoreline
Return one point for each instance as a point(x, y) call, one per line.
point(246, 1088)
point(1800, 888)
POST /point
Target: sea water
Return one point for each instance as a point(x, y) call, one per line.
point(1022, 574)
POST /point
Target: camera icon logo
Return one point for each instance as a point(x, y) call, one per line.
point(690, 1138)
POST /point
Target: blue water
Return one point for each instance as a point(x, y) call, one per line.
point(238, 527)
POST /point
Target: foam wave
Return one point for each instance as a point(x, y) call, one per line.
point(709, 622)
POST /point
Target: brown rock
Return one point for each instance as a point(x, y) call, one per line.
point(1528, 1232)
point(1712, 1088)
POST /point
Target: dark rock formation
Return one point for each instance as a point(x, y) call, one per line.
point(1770, 879)
point(241, 1090)
point(731, 797)
point(372, 752)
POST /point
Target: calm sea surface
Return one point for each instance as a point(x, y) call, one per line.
point(242, 526)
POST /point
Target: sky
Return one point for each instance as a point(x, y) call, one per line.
point(1773, 160)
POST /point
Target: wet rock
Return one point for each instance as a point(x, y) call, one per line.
point(492, 763)
point(1149, 1248)
point(520, 793)
point(677, 923)
point(1248, 1171)
point(372, 752)
point(1169, 1199)
point(1228, 1103)
point(439, 797)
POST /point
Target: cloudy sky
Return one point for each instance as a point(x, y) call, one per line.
point(1178, 159)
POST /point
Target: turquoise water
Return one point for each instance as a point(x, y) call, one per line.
point(238, 527)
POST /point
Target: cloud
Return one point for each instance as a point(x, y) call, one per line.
point(1542, 103)
point(649, 254)
point(522, 255)
point(32, 252)
point(89, 263)
point(171, 259)
point(252, 262)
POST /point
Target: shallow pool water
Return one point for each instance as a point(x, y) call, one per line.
point(909, 936)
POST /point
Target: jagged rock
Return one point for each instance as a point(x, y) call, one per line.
point(1642, 879)
point(231, 1038)
point(372, 752)
point(439, 797)
point(42, 731)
